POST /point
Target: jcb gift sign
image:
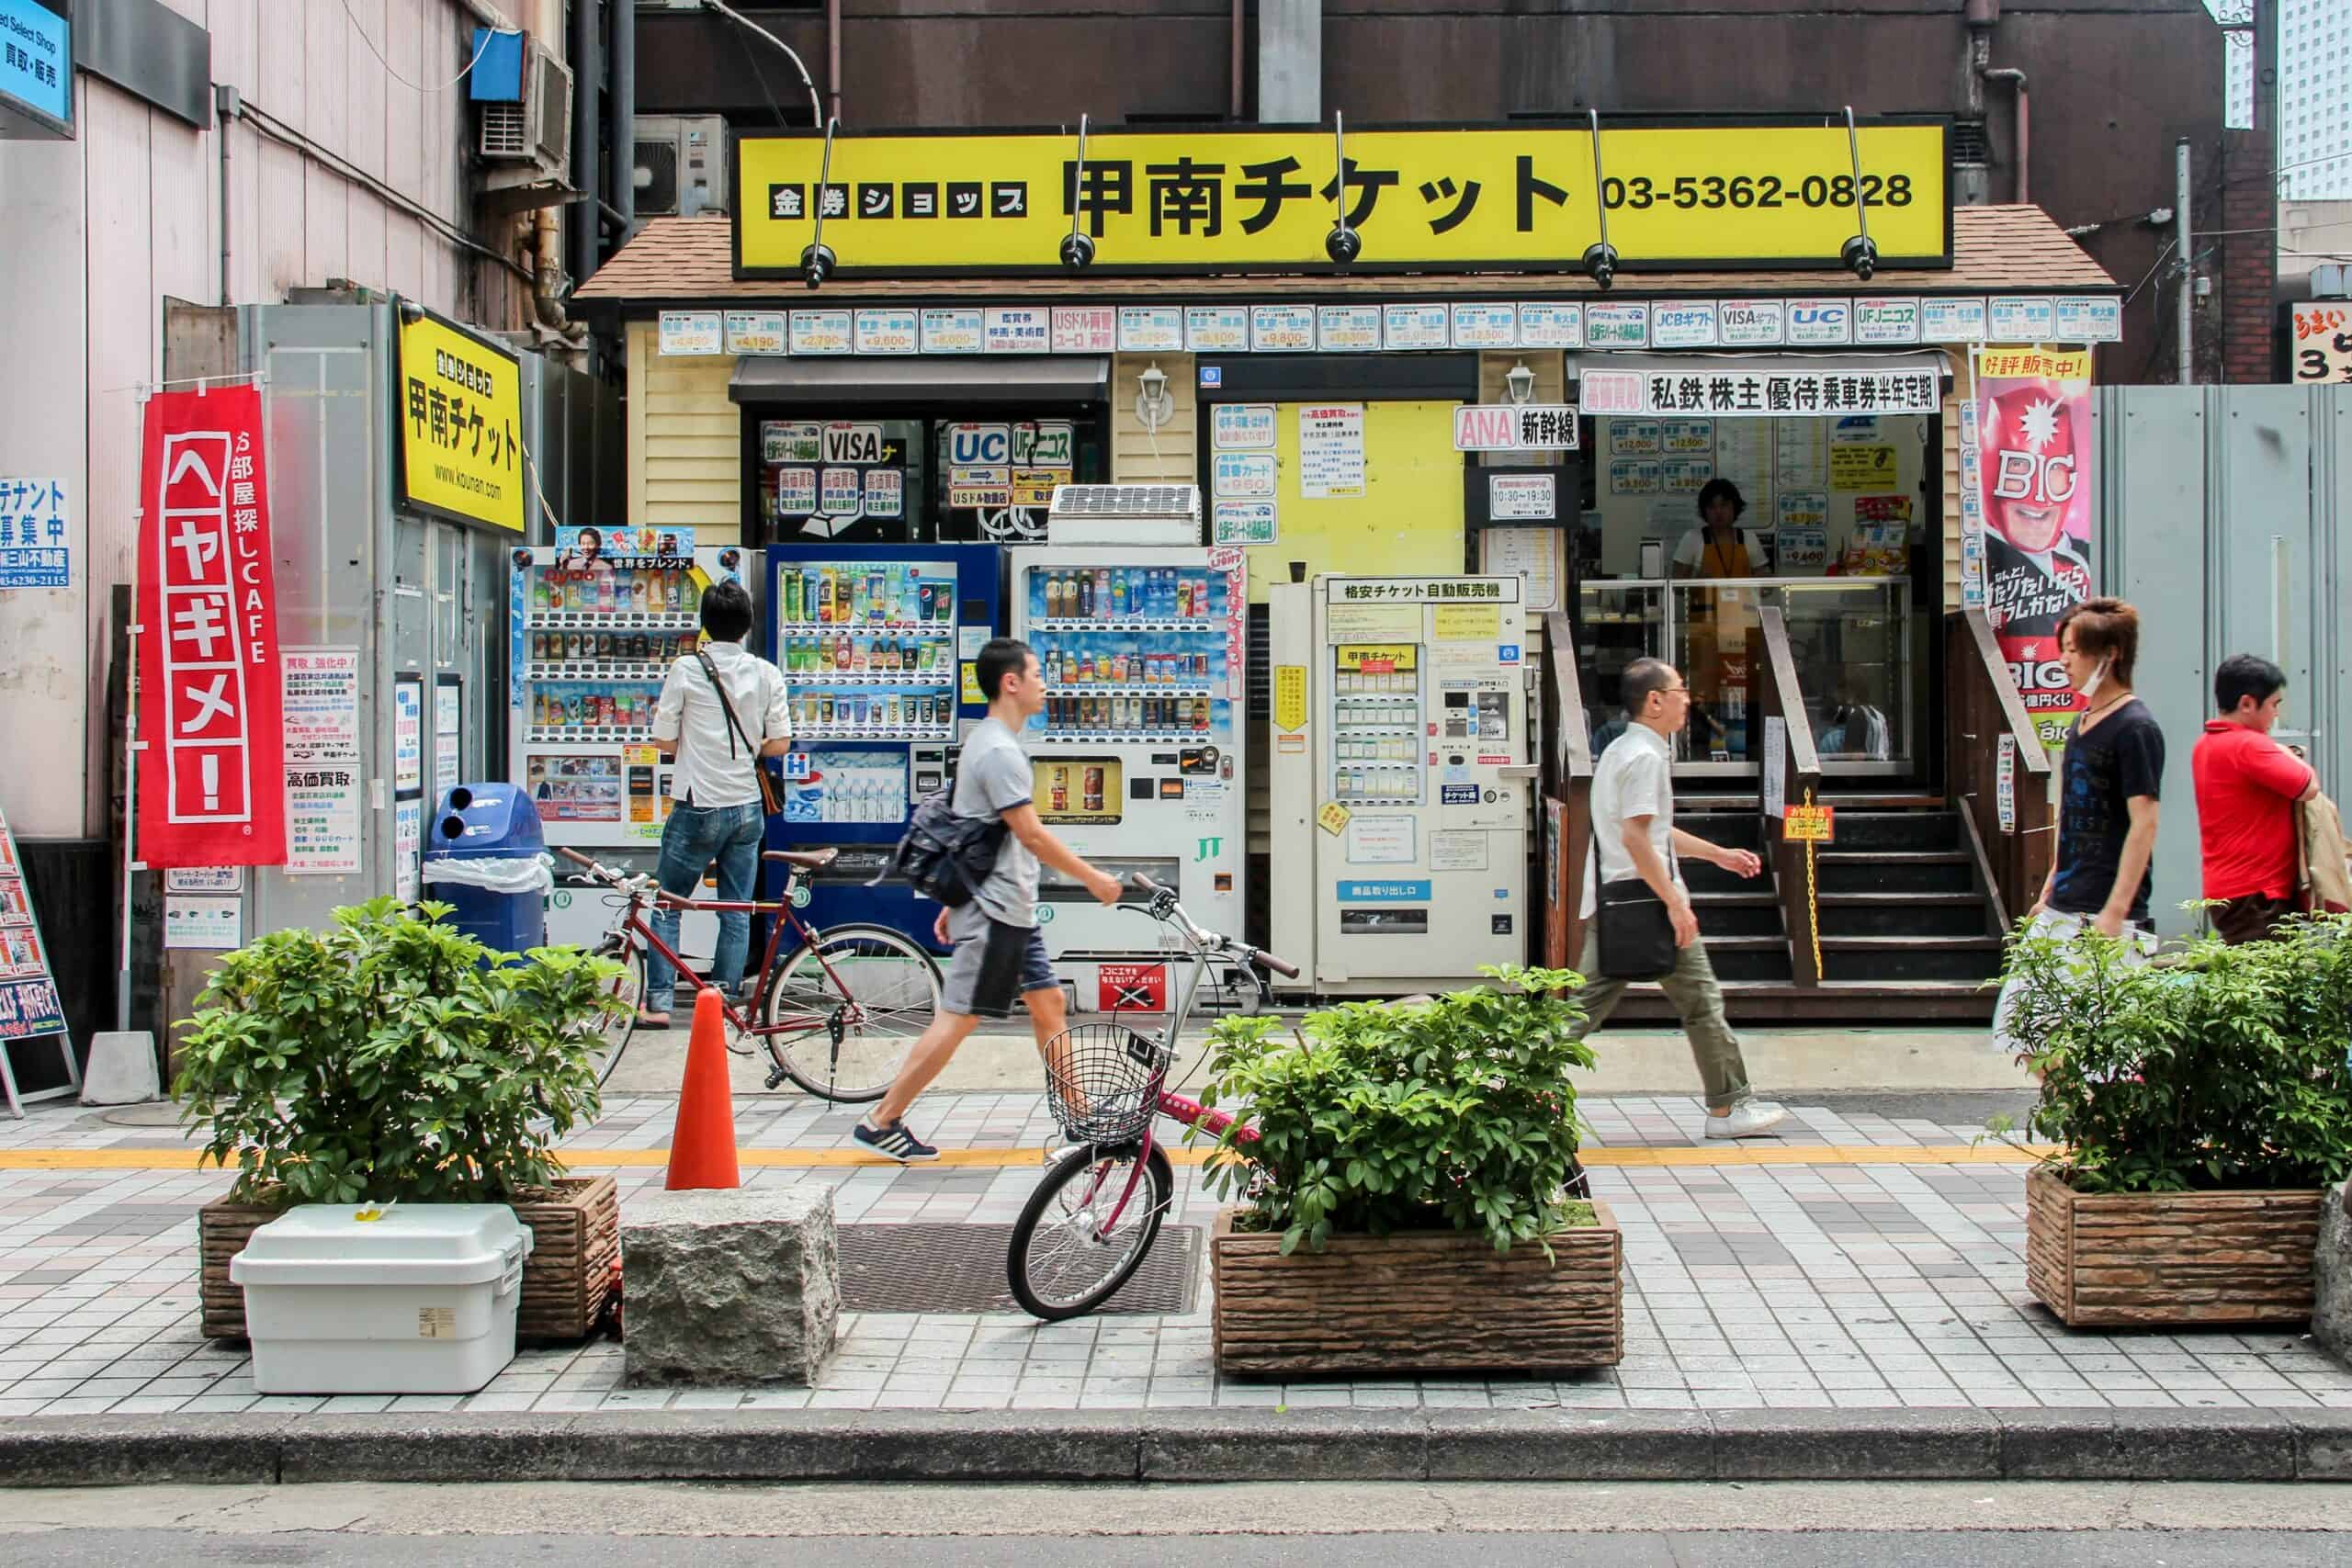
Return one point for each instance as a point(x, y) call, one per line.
point(461, 425)
point(1757, 193)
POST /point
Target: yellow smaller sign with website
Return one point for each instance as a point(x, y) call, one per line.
point(1862, 467)
point(1379, 657)
point(461, 425)
point(1469, 623)
point(1290, 696)
point(971, 688)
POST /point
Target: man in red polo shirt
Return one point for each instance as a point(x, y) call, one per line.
point(2248, 788)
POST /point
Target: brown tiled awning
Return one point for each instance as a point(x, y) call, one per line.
point(1995, 250)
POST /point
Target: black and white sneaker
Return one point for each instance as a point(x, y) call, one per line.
point(894, 1142)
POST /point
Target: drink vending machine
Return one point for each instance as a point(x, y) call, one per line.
point(594, 622)
point(1138, 758)
point(1402, 781)
point(876, 644)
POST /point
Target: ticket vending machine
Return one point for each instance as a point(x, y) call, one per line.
point(1402, 781)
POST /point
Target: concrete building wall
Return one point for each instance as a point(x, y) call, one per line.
point(106, 226)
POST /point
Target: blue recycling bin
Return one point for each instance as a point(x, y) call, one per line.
point(481, 855)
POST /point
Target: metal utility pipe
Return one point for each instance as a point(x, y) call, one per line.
point(816, 110)
point(1235, 94)
point(833, 60)
point(2016, 78)
point(2183, 322)
point(547, 267)
point(624, 75)
point(586, 74)
point(224, 104)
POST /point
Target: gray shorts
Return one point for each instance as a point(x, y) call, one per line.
point(993, 965)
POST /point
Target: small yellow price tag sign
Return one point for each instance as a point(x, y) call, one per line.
point(1333, 818)
point(1810, 825)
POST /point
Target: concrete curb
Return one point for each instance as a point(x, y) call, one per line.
point(1174, 1446)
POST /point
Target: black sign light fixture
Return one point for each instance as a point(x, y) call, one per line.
point(1860, 253)
point(1343, 244)
point(1599, 258)
point(818, 261)
point(1078, 251)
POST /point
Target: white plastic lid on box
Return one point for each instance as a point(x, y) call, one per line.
point(398, 1245)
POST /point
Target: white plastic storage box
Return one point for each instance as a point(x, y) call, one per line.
point(404, 1299)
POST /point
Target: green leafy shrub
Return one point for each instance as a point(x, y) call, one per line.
point(379, 1060)
point(1378, 1116)
point(2218, 1067)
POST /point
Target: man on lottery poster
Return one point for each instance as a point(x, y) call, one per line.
point(2035, 435)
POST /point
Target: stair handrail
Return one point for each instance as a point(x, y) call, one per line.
point(1778, 696)
point(1986, 709)
point(1567, 784)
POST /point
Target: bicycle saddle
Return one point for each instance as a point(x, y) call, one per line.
point(806, 860)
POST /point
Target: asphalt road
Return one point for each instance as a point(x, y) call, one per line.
point(1697, 1525)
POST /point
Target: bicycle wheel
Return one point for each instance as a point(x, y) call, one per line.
point(1063, 1260)
point(613, 1035)
point(845, 1007)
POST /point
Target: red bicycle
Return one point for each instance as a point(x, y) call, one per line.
point(1090, 1224)
point(836, 1013)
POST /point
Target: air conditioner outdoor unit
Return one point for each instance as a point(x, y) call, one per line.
point(681, 164)
point(1124, 514)
point(538, 130)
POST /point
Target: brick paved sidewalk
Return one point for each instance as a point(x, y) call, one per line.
point(1823, 1269)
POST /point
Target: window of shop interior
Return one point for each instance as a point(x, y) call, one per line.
point(892, 480)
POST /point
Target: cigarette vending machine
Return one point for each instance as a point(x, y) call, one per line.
point(1138, 758)
point(594, 622)
point(1402, 779)
point(876, 644)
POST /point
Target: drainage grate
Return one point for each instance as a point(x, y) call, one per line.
point(961, 1268)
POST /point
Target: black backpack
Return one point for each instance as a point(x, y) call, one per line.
point(944, 854)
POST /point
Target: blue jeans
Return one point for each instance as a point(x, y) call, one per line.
point(691, 840)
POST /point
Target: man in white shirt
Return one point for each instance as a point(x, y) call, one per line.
point(1633, 835)
point(714, 785)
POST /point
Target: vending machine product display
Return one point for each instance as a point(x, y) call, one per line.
point(1402, 779)
point(1138, 758)
point(876, 643)
point(594, 622)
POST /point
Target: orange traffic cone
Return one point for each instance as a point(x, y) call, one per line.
point(702, 1149)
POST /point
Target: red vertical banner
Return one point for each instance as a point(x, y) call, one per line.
point(212, 773)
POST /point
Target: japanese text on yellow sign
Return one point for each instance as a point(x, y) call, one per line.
point(1290, 696)
point(1862, 467)
point(2046, 364)
point(2322, 342)
point(1332, 817)
point(1379, 657)
point(1810, 824)
point(1469, 623)
point(1757, 194)
point(461, 425)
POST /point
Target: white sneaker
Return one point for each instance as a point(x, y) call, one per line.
point(1749, 1119)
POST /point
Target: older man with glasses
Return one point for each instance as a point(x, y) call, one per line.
point(1633, 835)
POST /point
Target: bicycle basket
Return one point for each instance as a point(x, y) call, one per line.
point(1102, 1082)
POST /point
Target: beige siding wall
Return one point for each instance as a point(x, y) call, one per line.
point(1964, 387)
point(1169, 454)
point(684, 441)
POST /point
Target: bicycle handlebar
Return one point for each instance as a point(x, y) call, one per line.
point(1175, 912)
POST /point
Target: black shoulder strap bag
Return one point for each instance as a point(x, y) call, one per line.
point(1632, 933)
point(771, 792)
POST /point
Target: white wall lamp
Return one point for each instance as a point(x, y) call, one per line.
point(1155, 404)
point(1519, 385)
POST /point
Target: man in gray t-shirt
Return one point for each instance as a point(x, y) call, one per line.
point(999, 951)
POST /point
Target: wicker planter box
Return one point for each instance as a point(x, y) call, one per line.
point(2136, 1261)
point(1417, 1301)
point(575, 1236)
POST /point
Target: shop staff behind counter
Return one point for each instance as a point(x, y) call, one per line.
point(1719, 547)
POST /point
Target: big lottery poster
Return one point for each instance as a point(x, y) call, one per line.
point(2034, 457)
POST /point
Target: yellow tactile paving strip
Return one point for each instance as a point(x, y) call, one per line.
point(1743, 1154)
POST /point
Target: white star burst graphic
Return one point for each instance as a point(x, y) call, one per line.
point(2039, 424)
